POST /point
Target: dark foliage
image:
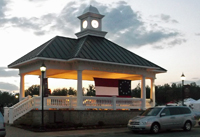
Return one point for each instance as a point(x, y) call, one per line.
point(7, 100)
point(91, 91)
point(64, 92)
point(33, 90)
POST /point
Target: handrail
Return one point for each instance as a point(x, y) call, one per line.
point(7, 109)
point(25, 99)
point(70, 102)
point(19, 110)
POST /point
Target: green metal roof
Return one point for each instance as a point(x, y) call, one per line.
point(89, 48)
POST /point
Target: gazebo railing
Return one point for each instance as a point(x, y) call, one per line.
point(111, 103)
point(70, 103)
point(58, 102)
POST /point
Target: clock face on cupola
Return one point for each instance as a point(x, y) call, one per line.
point(91, 23)
point(94, 24)
point(91, 18)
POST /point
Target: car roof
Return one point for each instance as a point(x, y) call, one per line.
point(169, 106)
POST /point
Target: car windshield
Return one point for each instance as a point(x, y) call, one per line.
point(151, 112)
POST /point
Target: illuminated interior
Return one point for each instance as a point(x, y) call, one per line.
point(86, 74)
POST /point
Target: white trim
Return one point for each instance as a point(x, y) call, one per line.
point(89, 60)
point(35, 59)
point(122, 64)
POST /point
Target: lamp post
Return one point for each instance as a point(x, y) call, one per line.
point(182, 78)
point(42, 69)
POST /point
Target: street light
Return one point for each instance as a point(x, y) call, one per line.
point(16, 96)
point(182, 78)
point(42, 69)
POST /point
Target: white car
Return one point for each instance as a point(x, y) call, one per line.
point(2, 126)
point(163, 118)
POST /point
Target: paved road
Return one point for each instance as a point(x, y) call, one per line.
point(18, 132)
point(112, 132)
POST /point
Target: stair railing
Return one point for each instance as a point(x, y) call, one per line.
point(19, 110)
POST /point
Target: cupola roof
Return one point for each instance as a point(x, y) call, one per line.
point(91, 9)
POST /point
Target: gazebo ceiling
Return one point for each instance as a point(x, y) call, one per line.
point(86, 74)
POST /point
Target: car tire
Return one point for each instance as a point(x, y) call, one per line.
point(155, 128)
point(187, 126)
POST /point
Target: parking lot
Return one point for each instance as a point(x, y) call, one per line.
point(18, 132)
point(109, 132)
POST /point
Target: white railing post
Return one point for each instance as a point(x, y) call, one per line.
point(114, 102)
point(11, 115)
point(6, 109)
point(70, 102)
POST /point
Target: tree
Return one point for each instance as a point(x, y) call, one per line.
point(60, 92)
point(148, 90)
point(91, 91)
point(33, 90)
point(7, 99)
point(64, 92)
point(136, 92)
point(72, 91)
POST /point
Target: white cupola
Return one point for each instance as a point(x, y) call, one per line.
point(90, 23)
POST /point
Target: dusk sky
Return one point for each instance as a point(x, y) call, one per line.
point(165, 32)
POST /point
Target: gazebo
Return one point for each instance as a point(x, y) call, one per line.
point(89, 56)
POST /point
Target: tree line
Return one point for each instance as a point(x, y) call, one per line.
point(163, 94)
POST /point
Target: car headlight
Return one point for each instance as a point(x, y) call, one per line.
point(129, 121)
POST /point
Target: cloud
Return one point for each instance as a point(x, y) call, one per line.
point(8, 87)
point(195, 78)
point(197, 34)
point(8, 73)
point(167, 18)
point(169, 43)
point(177, 42)
point(123, 24)
point(67, 21)
point(2, 7)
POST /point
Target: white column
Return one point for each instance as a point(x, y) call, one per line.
point(143, 93)
point(152, 94)
point(22, 92)
point(40, 94)
point(79, 91)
